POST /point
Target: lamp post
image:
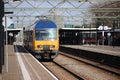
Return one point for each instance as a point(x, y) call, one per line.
point(109, 39)
point(6, 39)
point(6, 44)
point(103, 28)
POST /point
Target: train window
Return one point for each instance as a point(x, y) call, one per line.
point(46, 34)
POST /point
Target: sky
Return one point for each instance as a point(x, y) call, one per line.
point(48, 4)
point(43, 5)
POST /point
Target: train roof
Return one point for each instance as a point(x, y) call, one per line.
point(45, 23)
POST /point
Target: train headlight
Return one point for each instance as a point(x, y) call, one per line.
point(52, 46)
point(39, 46)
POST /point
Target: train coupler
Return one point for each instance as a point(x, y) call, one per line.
point(46, 55)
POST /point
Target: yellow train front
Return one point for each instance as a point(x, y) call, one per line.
point(42, 39)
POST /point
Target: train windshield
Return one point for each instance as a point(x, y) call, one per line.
point(46, 34)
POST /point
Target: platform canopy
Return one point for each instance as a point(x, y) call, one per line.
point(74, 12)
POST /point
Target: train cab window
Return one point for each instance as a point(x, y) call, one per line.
point(46, 34)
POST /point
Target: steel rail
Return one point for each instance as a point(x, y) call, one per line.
point(93, 63)
point(75, 75)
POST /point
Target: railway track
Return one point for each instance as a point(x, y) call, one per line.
point(84, 69)
point(67, 67)
point(57, 69)
point(93, 63)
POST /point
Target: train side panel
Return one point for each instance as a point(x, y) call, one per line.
point(28, 40)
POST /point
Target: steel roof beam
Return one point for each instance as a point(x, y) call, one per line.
point(73, 9)
point(77, 16)
point(72, 0)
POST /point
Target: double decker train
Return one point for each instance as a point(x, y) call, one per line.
point(42, 38)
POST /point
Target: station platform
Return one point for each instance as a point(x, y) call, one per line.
point(109, 50)
point(23, 66)
point(108, 55)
